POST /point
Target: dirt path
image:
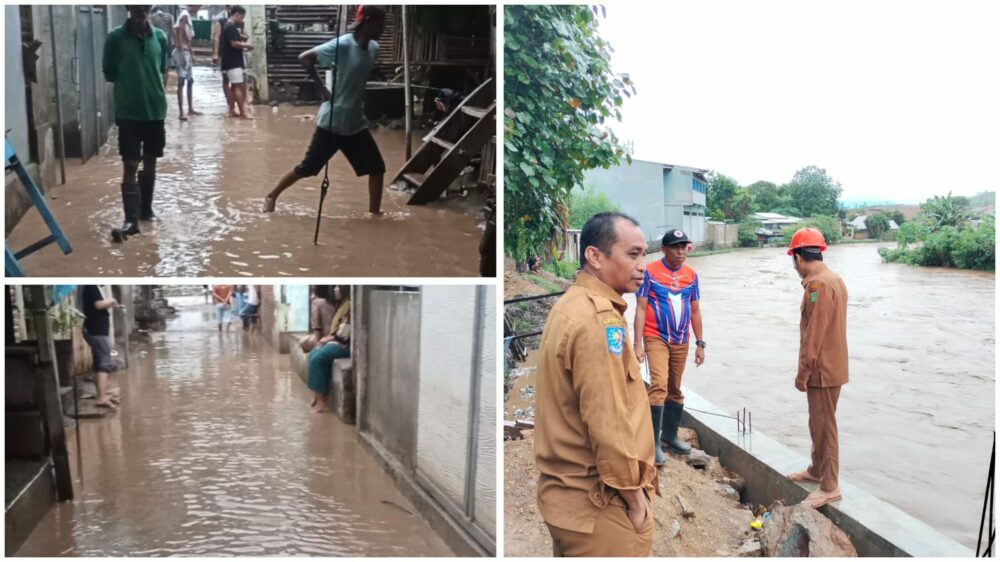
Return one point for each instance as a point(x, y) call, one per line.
point(718, 527)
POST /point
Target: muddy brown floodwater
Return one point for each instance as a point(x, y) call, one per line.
point(917, 417)
point(214, 453)
point(210, 187)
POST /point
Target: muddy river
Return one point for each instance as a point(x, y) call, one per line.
point(210, 187)
point(917, 418)
point(214, 453)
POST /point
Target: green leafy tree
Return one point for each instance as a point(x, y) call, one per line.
point(721, 190)
point(766, 195)
point(899, 217)
point(829, 226)
point(976, 247)
point(940, 212)
point(747, 235)
point(559, 91)
point(877, 224)
point(814, 192)
point(912, 233)
point(788, 211)
point(587, 203)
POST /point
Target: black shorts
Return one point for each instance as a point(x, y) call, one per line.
point(359, 148)
point(100, 348)
point(138, 139)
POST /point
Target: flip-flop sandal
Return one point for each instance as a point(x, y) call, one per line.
point(794, 477)
point(824, 502)
point(107, 405)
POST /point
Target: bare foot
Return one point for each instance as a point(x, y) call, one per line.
point(803, 476)
point(818, 498)
point(245, 116)
point(183, 117)
point(375, 213)
point(269, 203)
point(193, 112)
point(233, 113)
point(109, 405)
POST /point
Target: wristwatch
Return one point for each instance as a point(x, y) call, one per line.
point(700, 343)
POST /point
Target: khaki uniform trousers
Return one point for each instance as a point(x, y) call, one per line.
point(823, 430)
point(666, 367)
point(614, 535)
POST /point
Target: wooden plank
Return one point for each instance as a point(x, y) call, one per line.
point(477, 112)
point(438, 179)
point(51, 404)
point(414, 178)
point(442, 143)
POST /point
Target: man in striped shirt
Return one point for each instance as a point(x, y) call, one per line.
point(667, 310)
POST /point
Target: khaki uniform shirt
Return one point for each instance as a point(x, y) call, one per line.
point(823, 330)
point(593, 429)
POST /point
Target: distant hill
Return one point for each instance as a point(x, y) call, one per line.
point(984, 199)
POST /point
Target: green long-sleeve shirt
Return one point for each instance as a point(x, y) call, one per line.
point(135, 65)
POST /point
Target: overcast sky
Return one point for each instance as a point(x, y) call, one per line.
point(897, 101)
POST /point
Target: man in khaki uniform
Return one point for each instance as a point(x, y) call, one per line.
point(593, 431)
point(822, 361)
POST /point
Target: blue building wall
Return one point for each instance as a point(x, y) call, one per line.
point(637, 189)
point(15, 102)
point(655, 196)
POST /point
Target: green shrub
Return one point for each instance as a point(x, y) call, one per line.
point(970, 248)
point(565, 269)
point(748, 232)
point(829, 226)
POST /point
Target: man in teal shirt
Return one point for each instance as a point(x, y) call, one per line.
point(353, 55)
point(135, 61)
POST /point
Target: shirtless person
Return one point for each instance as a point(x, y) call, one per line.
point(184, 59)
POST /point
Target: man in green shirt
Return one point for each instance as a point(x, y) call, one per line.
point(135, 61)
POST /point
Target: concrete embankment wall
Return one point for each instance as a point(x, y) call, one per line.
point(875, 527)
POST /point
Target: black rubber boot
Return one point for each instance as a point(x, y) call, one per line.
point(671, 421)
point(657, 412)
point(131, 202)
point(147, 182)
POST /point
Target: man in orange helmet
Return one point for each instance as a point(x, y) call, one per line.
point(822, 360)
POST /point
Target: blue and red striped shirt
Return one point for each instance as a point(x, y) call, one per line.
point(670, 293)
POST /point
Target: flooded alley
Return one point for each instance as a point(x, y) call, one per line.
point(210, 188)
point(916, 420)
point(213, 452)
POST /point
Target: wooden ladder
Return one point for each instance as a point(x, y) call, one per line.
point(451, 145)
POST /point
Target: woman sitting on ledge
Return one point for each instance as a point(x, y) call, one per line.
point(324, 348)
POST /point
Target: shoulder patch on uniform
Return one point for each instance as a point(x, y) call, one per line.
point(616, 339)
point(613, 322)
point(813, 296)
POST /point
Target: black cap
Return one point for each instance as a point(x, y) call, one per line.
point(675, 237)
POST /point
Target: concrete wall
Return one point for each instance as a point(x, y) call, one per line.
point(255, 25)
point(458, 398)
point(875, 527)
point(388, 408)
point(637, 189)
point(720, 235)
point(425, 364)
point(286, 309)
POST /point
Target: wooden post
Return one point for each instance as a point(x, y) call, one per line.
point(51, 405)
point(406, 88)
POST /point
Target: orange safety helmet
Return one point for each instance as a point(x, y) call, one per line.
point(806, 237)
